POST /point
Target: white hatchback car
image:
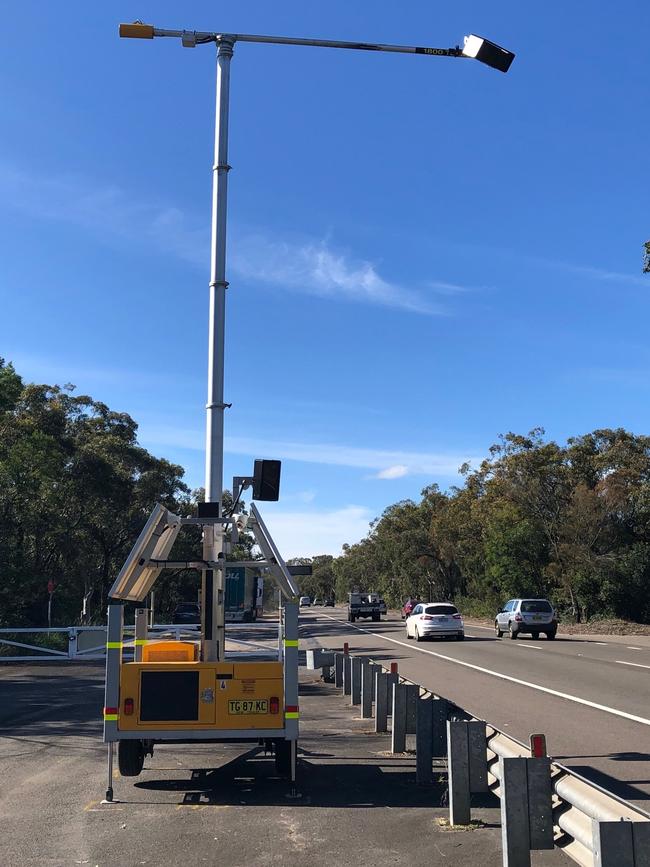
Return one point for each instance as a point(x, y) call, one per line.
point(435, 619)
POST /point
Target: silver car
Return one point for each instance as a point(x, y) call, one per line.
point(435, 619)
point(531, 616)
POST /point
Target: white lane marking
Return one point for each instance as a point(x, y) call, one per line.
point(635, 664)
point(602, 643)
point(592, 704)
point(634, 648)
point(529, 646)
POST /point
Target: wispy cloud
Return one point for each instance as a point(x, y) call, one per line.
point(395, 472)
point(107, 211)
point(310, 266)
point(602, 275)
point(387, 463)
point(440, 287)
point(307, 533)
point(317, 269)
point(85, 375)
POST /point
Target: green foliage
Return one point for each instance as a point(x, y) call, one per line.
point(321, 583)
point(75, 491)
point(571, 523)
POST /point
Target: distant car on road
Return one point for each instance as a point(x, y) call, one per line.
point(305, 602)
point(365, 605)
point(187, 612)
point(408, 606)
point(329, 603)
point(531, 616)
point(317, 601)
point(435, 620)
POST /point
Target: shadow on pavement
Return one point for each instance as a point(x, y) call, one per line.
point(250, 779)
point(40, 702)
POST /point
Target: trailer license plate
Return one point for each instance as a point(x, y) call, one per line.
point(248, 706)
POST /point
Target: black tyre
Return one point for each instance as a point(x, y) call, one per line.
point(513, 632)
point(460, 636)
point(130, 758)
point(375, 618)
point(535, 635)
point(408, 635)
point(418, 637)
point(498, 632)
point(283, 758)
point(550, 636)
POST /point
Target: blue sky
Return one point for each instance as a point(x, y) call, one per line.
point(423, 252)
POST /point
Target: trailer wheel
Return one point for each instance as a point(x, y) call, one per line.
point(130, 758)
point(283, 758)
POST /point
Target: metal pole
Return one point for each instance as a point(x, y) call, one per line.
point(212, 583)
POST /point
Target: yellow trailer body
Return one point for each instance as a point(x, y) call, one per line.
point(162, 696)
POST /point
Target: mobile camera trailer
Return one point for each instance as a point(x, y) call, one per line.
point(167, 694)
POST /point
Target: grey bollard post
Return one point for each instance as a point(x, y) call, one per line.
point(515, 829)
point(440, 712)
point(540, 802)
point(424, 740)
point(526, 808)
point(392, 679)
point(369, 672)
point(367, 677)
point(398, 728)
point(338, 670)
point(381, 701)
point(613, 844)
point(477, 749)
point(458, 773)
point(347, 673)
point(355, 680)
point(641, 840)
point(412, 693)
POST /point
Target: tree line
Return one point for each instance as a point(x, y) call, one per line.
point(75, 490)
point(570, 522)
point(567, 522)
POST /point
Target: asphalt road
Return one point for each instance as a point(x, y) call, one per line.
point(590, 696)
point(217, 804)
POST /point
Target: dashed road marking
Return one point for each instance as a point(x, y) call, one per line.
point(574, 698)
point(635, 664)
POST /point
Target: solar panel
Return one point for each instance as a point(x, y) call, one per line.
point(136, 577)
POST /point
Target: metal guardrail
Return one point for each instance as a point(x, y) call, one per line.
point(580, 809)
point(577, 802)
point(83, 642)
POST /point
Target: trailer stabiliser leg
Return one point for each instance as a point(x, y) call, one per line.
point(109, 788)
point(294, 793)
